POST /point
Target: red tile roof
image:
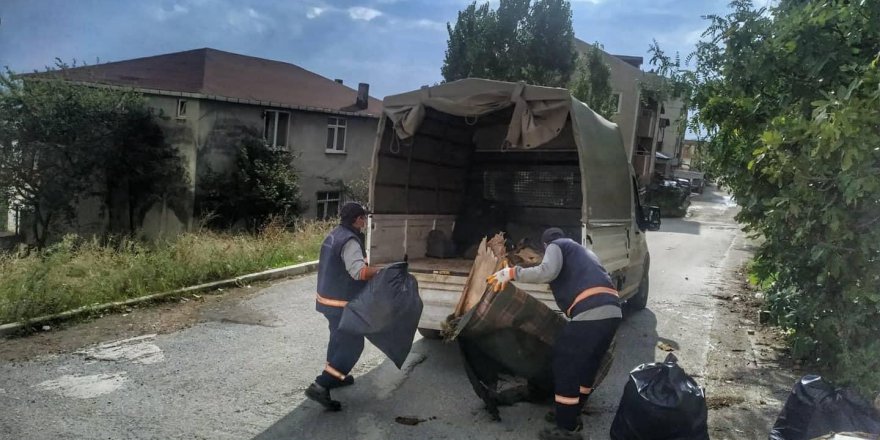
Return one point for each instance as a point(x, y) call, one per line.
point(213, 72)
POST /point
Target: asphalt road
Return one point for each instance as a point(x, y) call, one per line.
point(241, 375)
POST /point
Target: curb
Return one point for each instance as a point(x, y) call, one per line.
point(271, 274)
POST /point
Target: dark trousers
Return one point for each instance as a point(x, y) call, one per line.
point(343, 351)
point(576, 359)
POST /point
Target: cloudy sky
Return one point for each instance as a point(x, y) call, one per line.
point(395, 45)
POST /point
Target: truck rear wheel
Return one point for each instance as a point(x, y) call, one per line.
point(640, 300)
point(429, 333)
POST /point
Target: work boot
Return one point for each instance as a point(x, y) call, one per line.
point(349, 380)
point(557, 433)
point(550, 417)
point(322, 395)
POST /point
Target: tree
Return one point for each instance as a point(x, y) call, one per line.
point(520, 41)
point(592, 82)
point(262, 185)
point(61, 143)
point(789, 98)
point(142, 169)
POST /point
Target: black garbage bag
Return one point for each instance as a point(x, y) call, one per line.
point(387, 312)
point(439, 245)
point(661, 402)
point(815, 408)
point(507, 343)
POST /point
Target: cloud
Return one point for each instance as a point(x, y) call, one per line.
point(682, 38)
point(315, 12)
point(693, 37)
point(421, 23)
point(177, 10)
point(424, 23)
point(363, 13)
point(248, 21)
point(595, 2)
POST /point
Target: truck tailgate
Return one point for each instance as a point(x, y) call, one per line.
point(441, 282)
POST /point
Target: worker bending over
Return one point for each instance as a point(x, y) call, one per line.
point(584, 291)
point(342, 273)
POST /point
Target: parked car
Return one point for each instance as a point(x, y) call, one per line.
point(684, 184)
point(697, 179)
point(670, 196)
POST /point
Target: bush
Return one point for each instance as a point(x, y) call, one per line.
point(790, 98)
point(62, 143)
point(4, 211)
point(76, 272)
point(262, 185)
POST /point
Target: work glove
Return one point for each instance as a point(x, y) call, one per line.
point(499, 279)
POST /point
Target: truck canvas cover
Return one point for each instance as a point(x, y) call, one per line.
point(540, 114)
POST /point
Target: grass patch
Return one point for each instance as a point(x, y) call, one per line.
point(77, 272)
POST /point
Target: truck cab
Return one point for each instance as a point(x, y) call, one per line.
point(468, 159)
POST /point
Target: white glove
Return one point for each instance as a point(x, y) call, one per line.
point(499, 280)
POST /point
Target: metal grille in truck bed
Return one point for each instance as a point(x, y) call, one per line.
point(545, 187)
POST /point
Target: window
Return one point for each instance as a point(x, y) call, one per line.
point(336, 135)
point(275, 128)
point(616, 101)
point(328, 205)
point(181, 108)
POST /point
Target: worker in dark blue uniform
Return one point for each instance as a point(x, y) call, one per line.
point(342, 273)
point(583, 290)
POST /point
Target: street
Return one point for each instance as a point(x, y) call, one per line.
point(240, 372)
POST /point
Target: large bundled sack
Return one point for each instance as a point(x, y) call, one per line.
point(387, 312)
point(506, 338)
point(816, 408)
point(661, 402)
point(439, 245)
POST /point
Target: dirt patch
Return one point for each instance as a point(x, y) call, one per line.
point(412, 421)
point(717, 402)
point(160, 317)
point(750, 372)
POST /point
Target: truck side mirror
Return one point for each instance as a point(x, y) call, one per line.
point(653, 218)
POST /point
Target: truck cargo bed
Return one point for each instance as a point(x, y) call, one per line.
point(441, 282)
point(457, 266)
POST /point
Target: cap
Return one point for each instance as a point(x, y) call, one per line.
point(552, 234)
point(351, 211)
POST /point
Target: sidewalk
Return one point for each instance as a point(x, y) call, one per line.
point(750, 374)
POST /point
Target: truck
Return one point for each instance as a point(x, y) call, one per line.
point(696, 179)
point(470, 158)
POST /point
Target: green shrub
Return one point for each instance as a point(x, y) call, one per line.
point(262, 185)
point(790, 98)
point(794, 117)
point(76, 272)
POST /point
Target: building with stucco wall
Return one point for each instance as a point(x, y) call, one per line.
point(625, 77)
point(201, 96)
point(645, 128)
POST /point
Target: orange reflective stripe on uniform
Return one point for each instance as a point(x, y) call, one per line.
point(562, 400)
point(585, 390)
point(588, 293)
point(330, 302)
point(334, 372)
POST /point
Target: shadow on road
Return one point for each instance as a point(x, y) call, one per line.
point(636, 344)
point(432, 386)
point(680, 226)
point(372, 404)
point(712, 194)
